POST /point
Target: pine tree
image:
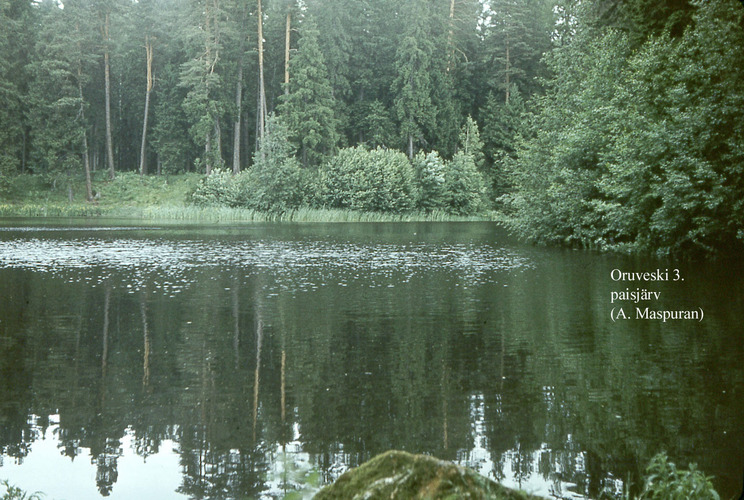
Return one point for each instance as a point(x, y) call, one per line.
point(518, 35)
point(308, 106)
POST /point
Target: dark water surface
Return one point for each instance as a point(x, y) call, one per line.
point(260, 360)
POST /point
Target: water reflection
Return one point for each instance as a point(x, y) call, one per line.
point(258, 361)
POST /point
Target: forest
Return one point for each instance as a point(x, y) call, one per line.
point(601, 124)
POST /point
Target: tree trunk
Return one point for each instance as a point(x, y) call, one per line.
point(451, 36)
point(218, 140)
point(23, 151)
point(261, 87)
point(508, 69)
point(238, 117)
point(245, 143)
point(258, 121)
point(208, 153)
point(146, 341)
point(107, 75)
point(86, 154)
point(148, 49)
point(410, 146)
point(212, 41)
point(286, 51)
point(256, 378)
point(239, 99)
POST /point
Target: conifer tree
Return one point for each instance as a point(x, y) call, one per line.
point(470, 142)
point(16, 18)
point(57, 107)
point(201, 78)
point(308, 106)
point(518, 34)
point(412, 87)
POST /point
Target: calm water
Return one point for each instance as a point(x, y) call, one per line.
point(261, 360)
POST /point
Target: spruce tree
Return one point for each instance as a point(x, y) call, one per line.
point(17, 18)
point(470, 142)
point(412, 87)
point(201, 77)
point(60, 70)
point(308, 106)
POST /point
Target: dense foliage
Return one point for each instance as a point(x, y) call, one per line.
point(603, 124)
point(639, 146)
point(378, 180)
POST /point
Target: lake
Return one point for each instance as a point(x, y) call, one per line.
point(262, 361)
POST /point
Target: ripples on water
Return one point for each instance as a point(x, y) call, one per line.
point(170, 259)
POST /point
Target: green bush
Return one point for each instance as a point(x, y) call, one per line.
point(665, 481)
point(272, 188)
point(378, 180)
point(217, 189)
point(455, 186)
point(342, 181)
point(6, 171)
point(394, 176)
point(464, 187)
point(430, 177)
point(274, 183)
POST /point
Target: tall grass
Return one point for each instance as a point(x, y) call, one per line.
point(51, 210)
point(304, 214)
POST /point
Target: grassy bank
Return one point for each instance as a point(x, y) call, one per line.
point(165, 198)
point(128, 194)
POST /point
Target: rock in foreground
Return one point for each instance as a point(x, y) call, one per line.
point(401, 475)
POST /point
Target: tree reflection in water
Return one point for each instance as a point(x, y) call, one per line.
point(267, 379)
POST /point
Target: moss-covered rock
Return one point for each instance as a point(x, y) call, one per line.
point(401, 475)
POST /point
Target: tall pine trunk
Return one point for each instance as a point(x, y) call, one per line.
point(209, 68)
point(238, 116)
point(451, 36)
point(261, 87)
point(148, 49)
point(208, 153)
point(218, 138)
point(508, 70)
point(86, 153)
point(238, 101)
point(107, 75)
point(286, 51)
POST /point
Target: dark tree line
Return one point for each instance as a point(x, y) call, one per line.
point(178, 85)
